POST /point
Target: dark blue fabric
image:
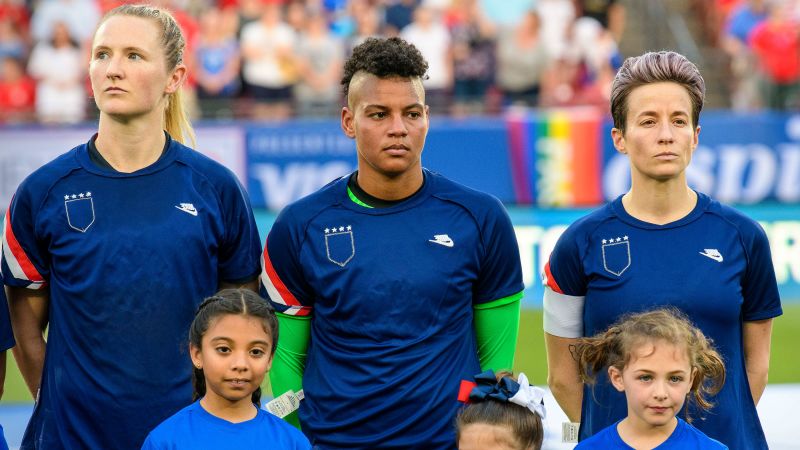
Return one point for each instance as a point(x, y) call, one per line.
point(487, 387)
point(193, 428)
point(714, 264)
point(126, 272)
point(6, 332)
point(684, 437)
point(392, 335)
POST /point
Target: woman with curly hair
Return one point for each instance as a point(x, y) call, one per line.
point(393, 285)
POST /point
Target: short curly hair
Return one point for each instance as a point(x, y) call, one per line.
point(384, 58)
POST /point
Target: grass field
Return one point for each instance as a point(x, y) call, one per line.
point(531, 358)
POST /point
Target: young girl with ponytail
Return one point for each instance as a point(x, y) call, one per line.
point(231, 342)
point(662, 364)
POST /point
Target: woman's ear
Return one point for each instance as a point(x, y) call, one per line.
point(618, 138)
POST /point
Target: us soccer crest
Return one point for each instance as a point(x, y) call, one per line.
point(339, 244)
point(80, 211)
point(616, 255)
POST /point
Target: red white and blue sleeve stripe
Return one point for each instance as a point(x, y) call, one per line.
point(19, 264)
point(277, 291)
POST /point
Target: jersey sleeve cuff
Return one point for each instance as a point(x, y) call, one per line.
point(563, 314)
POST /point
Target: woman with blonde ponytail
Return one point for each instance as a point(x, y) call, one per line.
point(114, 245)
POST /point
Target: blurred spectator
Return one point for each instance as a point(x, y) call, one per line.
point(521, 61)
point(17, 92)
point(556, 18)
point(398, 15)
point(429, 34)
point(249, 11)
point(12, 43)
point(506, 13)
point(17, 13)
point(745, 94)
point(473, 56)
point(269, 69)
point(80, 17)
point(320, 56)
point(59, 68)
point(584, 74)
point(218, 60)
point(776, 45)
point(609, 13)
point(296, 15)
point(368, 24)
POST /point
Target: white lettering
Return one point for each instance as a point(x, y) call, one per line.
point(784, 241)
point(296, 180)
point(788, 187)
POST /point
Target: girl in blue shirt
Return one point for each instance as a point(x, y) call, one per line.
point(659, 360)
point(231, 342)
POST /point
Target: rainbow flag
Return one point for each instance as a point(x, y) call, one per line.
point(556, 156)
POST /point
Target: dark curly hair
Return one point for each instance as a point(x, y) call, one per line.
point(384, 58)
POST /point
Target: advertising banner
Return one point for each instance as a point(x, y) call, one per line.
point(23, 150)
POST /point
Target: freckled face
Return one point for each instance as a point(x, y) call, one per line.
point(659, 137)
point(128, 69)
point(656, 382)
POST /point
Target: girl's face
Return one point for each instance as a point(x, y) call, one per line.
point(236, 352)
point(128, 69)
point(656, 381)
point(476, 436)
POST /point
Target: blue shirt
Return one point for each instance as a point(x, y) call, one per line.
point(684, 437)
point(714, 264)
point(392, 293)
point(127, 258)
point(194, 428)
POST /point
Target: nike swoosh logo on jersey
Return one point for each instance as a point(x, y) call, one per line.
point(442, 239)
point(187, 208)
point(712, 253)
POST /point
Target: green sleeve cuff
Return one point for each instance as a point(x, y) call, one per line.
point(496, 331)
point(288, 364)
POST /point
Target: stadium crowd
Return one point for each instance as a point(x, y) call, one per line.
point(272, 59)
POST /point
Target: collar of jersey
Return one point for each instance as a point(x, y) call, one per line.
point(703, 201)
point(208, 417)
point(164, 161)
point(410, 202)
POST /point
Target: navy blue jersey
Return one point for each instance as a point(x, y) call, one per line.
point(714, 264)
point(684, 437)
point(127, 258)
point(193, 428)
point(6, 332)
point(391, 294)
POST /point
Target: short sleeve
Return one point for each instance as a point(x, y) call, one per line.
point(759, 286)
point(564, 273)
point(501, 272)
point(282, 279)
point(241, 248)
point(25, 261)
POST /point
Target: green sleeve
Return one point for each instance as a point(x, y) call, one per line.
point(496, 331)
point(289, 361)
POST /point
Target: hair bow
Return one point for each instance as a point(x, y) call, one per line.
point(507, 390)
